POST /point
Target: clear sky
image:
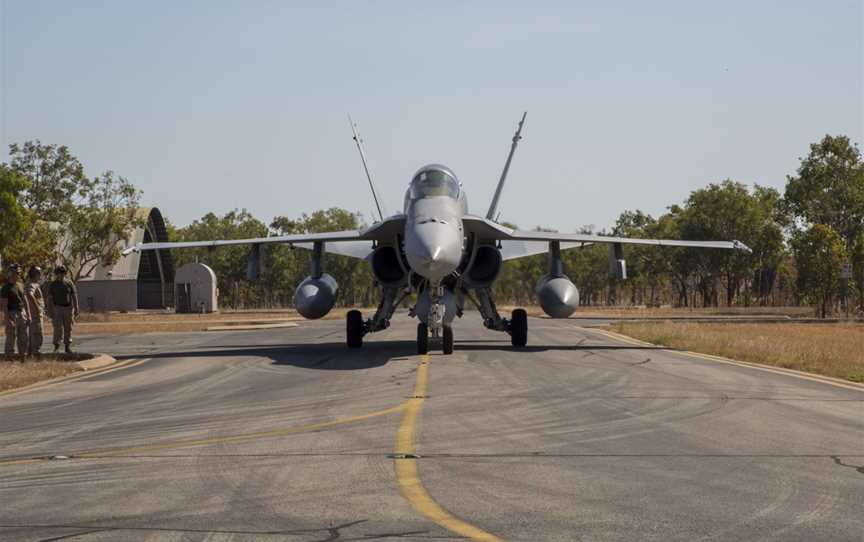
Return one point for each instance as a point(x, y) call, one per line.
point(210, 106)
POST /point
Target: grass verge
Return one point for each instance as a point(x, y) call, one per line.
point(835, 350)
point(15, 374)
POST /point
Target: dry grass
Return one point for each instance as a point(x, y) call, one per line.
point(14, 374)
point(659, 312)
point(835, 350)
point(638, 312)
point(160, 316)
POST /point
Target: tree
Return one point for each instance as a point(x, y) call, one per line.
point(829, 189)
point(23, 239)
point(284, 267)
point(647, 267)
point(229, 263)
point(722, 211)
point(56, 178)
point(13, 216)
point(768, 244)
point(819, 253)
point(106, 215)
point(72, 217)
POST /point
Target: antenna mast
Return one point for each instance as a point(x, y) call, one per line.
point(359, 143)
point(516, 137)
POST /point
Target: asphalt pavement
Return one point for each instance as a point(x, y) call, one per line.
point(285, 434)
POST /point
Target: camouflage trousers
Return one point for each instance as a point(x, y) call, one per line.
point(36, 337)
point(16, 333)
point(62, 321)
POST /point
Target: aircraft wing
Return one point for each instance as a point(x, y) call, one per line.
point(353, 243)
point(487, 229)
point(587, 238)
point(285, 239)
point(353, 249)
point(511, 250)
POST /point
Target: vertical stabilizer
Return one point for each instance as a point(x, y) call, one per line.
point(493, 207)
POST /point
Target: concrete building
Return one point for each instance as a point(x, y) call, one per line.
point(141, 280)
point(195, 289)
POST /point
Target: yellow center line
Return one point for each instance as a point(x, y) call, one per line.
point(407, 475)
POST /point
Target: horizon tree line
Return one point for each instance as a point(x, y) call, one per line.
point(51, 211)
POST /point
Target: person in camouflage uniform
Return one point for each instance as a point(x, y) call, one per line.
point(36, 307)
point(13, 308)
point(62, 306)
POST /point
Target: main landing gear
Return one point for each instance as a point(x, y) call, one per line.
point(519, 328)
point(354, 328)
point(423, 339)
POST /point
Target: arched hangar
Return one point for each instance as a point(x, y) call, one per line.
point(141, 280)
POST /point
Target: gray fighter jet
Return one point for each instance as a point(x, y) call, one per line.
point(438, 251)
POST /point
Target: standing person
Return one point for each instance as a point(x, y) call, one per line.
point(36, 307)
point(13, 307)
point(62, 305)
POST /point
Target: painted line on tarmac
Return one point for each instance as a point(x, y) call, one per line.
point(407, 475)
point(75, 377)
point(748, 364)
point(133, 450)
point(240, 438)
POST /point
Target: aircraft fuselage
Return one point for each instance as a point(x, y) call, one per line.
point(434, 236)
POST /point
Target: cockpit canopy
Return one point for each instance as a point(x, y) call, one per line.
point(434, 181)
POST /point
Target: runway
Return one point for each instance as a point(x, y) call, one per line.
point(287, 435)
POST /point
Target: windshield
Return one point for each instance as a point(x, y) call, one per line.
point(434, 182)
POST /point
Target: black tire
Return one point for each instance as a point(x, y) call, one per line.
point(447, 340)
point(519, 328)
point(422, 338)
point(354, 329)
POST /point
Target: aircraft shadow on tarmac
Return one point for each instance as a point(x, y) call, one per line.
point(336, 356)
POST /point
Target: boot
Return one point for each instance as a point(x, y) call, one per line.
point(68, 349)
point(56, 348)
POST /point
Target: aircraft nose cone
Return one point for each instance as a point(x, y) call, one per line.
point(430, 253)
point(433, 250)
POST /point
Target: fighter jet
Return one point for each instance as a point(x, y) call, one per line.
point(444, 255)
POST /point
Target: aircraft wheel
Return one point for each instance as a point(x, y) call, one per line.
point(354, 328)
point(447, 340)
point(422, 338)
point(519, 328)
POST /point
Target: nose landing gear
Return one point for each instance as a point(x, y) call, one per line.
point(447, 339)
point(422, 338)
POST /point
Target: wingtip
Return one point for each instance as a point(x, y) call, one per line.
point(742, 247)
